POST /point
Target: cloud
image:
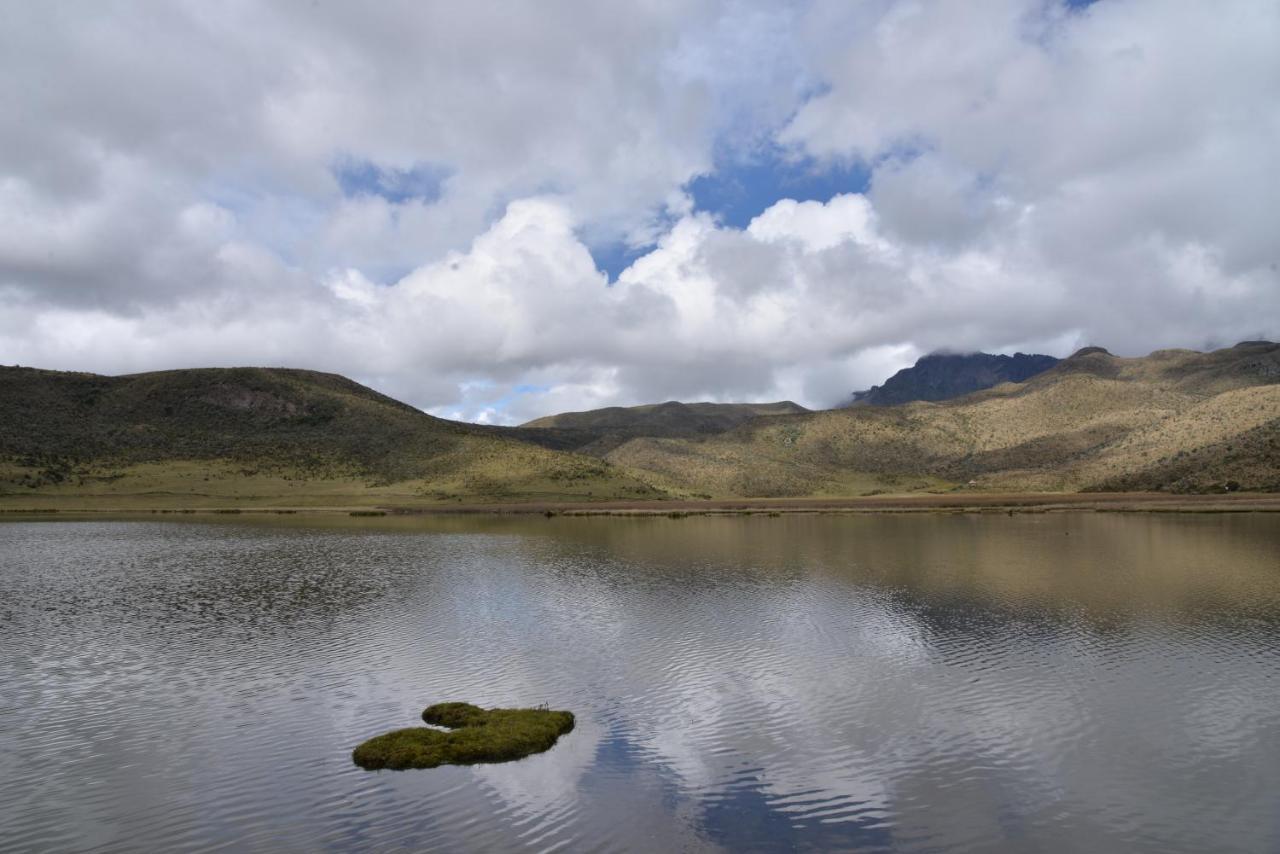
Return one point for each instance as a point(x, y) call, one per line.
point(1122, 144)
point(254, 106)
point(412, 196)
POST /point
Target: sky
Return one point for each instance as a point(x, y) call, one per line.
point(496, 211)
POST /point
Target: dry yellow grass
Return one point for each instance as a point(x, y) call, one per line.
point(1094, 420)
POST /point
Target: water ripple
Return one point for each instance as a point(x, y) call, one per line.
point(879, 683)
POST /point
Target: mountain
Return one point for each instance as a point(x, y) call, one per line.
point(1175, 420)
point(263, 435)
point(599, 431)
point(942, 376)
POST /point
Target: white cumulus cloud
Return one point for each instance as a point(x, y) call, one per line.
point(172, 190)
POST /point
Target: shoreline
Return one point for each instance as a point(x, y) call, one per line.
point(986, 503)
point(1010, 503)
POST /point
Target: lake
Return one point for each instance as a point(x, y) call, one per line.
point(1052, 682)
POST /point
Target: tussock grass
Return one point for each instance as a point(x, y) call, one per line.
point(475, 735)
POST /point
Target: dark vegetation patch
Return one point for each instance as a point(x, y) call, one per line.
point(1249, 462)
point(474, 735)
point(273, 421)
point(1047, 452)
point(61, 429)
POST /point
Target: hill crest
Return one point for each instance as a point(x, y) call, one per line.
point(673, 412)
point(217, 434)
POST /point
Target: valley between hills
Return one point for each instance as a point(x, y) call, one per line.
point(1174, 425)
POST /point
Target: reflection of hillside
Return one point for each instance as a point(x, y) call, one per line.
point(1100, 565)
point(1104, 565)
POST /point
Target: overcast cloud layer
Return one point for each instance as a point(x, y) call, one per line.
point(411, 194)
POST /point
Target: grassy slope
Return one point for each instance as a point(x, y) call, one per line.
point(1175, 420)
point(697, 417)
point(599, 431)
point(256, 436)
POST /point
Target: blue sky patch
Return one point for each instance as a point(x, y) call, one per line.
point(421, 182)
point(738, 191)
point(613, 258)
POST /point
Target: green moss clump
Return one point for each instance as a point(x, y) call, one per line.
point(475, 735)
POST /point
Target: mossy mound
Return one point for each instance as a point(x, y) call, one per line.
point(476, 735)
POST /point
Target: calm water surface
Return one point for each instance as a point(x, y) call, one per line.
point(1077, 682)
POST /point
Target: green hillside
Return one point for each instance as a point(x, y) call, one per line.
point(259, 435)
point(599, 431)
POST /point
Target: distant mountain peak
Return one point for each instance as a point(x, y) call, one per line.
point(942, 376)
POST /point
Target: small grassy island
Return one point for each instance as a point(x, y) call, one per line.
point(475, 735)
